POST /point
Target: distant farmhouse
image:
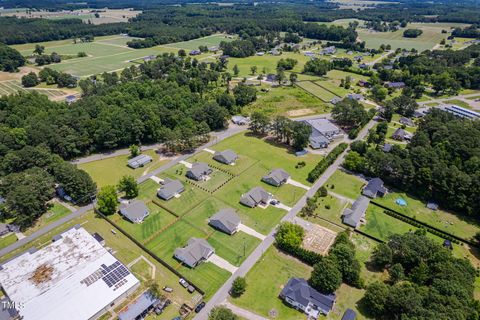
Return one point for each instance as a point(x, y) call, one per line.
point(396, 85)
point(374, 188)
point(73, 278)
point(328, 50)
point(276, 177)
point(135, 211)
point(170, 189)
point(195, 252)
point(355, 96)
point(323, 132)
point(139, 161)
point(401, 135)
point(356, 214)
point(254, 197)
point(226, 157)
point(195, 52)
point(225, 220)
point(300, 295)
point(70, 99)
point(199, 171)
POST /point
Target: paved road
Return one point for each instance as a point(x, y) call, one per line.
point(221, 295)
point(463, 97)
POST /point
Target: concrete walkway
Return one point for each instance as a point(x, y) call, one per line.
point(222, 263)
point(242, 312)
point(186, 164)
point(297, 184)
point(282, 206)
point(209, 150)
point(156, 179)
point(250, 231)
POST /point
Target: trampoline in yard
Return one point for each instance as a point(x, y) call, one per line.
point(401, 202)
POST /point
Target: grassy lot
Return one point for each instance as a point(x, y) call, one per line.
point(459, 103)
point(109, 171)
point(459, 225)
point(243, 162)
point(56, 212)
point(287, 101)
point(317, 90)
point(381, 225)
point(333, 86)
point(265, 64)
point(330, 208)
point(7, 240)
point(339, 74)
point(235, 249)
point(431, 36)
point(209, 41)
point(263, 287)
point(345, 184)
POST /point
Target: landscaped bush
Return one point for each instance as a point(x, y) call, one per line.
point(326, 162)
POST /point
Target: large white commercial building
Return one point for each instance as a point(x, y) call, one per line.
point(73, 278)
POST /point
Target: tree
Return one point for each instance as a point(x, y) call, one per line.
point(354, 162)
point(280, 76)
point(396, 273)
point(404, 105)
point(134, 150)
point(326, 276)
point(222, 313)
point(239, 286)
point(349, 113)
point(301, 135)
point(10, 59)
point(30, 80)
point(253, 70)
point(382, 256)
point(236, 70)
point(317, 67)
point(375, 298)
point(244, 94)
point(259, 123)
point(293, 78)
point(128, 184)
point(182, 53)
point(39, 49)
point(359, 146)
point(378, 92)
point(107, 200)
point(289, 235)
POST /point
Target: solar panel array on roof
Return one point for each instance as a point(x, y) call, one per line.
point(114, 273)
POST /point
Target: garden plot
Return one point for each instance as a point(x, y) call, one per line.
point(318, 239)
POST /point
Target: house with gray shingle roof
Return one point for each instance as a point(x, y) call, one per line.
point(354, 215)
point(255, 197)
point(195, 252)
point(276, 177)
point(226, 220)
point(226, 156)
point(374, 188)
point(170, 189)
point(135, 211)
point(401, 135)
point(407, 121)
point(139, 161)
point(299, 294)
point(199, 171)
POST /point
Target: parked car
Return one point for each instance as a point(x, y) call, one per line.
point(274, 202)
point(183, 282)
point(191, 289)
point(200, 307)
point(167, 289)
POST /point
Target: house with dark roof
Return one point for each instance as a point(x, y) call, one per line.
point(349, 315)
point(300, 295)
point(276, 177)
point(226, 157)
point(355, 96)
point(356, 214)
point(195, 52)
point(432, 206)
point(335, 100)
point(254, 197)
point(226, 220)
point(70, 99)
point(328, 50)
point(170, 189)
point(4, 229)
point(139, 161)
point(401, 135)
point(406, 121)
point(374, 188)
point(396, 85)
point(199, 171)
point(135, 211)
point(195, 252)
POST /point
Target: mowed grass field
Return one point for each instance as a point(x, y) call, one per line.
point(265, 64)
point(209, 41)
point(432, 35)
point(316, 90)
point(14, 86)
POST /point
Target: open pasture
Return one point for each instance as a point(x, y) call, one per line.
point(209, 41)
point(316, 90)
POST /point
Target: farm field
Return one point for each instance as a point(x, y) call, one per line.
point(111, 170)
point(209, 41)
point(287, 101)
point(316, 90)
point(13, 86)
point(432, 35)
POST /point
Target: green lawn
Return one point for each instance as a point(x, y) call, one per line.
point(188, 199)
point(333, 86)
point(56, 212)
point(243, 162)
point(265, 64)
point(345, 184)
point(330, 208)
point(265, 282)
point(109, 171)
point(216, 178)
point(381, 225)
point(207, 276)
point(316, 90)
point(236, 248)
point(7, 240)
point(459, 103)
point(209, 41)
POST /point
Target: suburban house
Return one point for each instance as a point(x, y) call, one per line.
point(135, 211)
point(276, 177)
point(363, 83)
point(139, 161)
point(396, 85)
point(328, 50)
point(240, 120)
point(199, 171)
point(461, 112)
point(4, 229)
point(401, 135)
point(407, 121)
point(73, 278)
point(355, 96)
point(356, 214)
point(374, 188)
point(255, 197)
point(195, 252)
point(226, 157)
point(213, 48)
point(170, 189)
point(139, 308)
point(300, 295)
point(323, 132)
point(195, 52)
point(226, 220)
point(349, 315)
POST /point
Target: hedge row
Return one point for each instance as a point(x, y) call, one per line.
point(304, 255)
point(326, 162)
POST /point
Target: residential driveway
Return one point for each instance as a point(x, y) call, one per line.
point(242, 312)
point(186, 164)
point(250, 231)
point(222, 263)
point(282, 206)
point(156, 179)
point(209, 150)
point(297, 184)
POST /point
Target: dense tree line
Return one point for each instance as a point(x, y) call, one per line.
point(441, 163)
point(412, 33)
point(10, 59)
point(425, 281)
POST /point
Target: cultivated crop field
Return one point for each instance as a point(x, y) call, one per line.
point(13, 86)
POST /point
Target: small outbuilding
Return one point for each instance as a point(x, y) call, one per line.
point(432, 206)
point(139, 308)
point(349, 315)
point(4, 229)
point(226, 220)
point(254, 197)
point(170, 189)
point(195, 252)
point(139, 161)
point(135, 211)
point(99, 238)
point(374, 188)
point(276, 177)
point(199, 171)
point(226, 157)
